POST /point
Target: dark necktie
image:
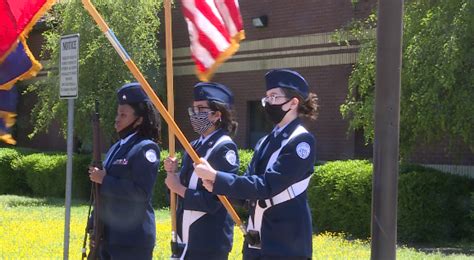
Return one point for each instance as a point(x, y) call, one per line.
point(197, 144)
point(267, 149)
point(112, 155)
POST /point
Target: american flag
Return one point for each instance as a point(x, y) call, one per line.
point(215, 30)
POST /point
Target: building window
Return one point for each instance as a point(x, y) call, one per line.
point(257, 122)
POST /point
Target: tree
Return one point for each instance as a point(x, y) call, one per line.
point(437, 87)
point(101, 70)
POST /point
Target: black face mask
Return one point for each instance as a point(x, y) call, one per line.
point(130, 129)
point(275, 113)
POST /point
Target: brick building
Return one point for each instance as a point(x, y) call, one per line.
point(298, 36)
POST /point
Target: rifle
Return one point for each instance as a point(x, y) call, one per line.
point(96, 235)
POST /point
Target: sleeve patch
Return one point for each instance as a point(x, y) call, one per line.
point(151, 155)
point(231, 157)
point(303, 150)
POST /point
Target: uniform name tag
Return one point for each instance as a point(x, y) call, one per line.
point(120, 162)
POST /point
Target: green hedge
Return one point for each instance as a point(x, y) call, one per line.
point(160, 192)
point(45, 173)
point(340, 195)
point(11, 181)
point(24, 172)
point(81, 185)
point(432, 206)
point(245, 156)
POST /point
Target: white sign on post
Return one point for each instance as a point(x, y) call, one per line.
point(69, 66)
point(69, 70)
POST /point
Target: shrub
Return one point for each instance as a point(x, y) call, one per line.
point(245, 156)
point(11, 181)
point(340, 197)
point(161, 197)
point(14, 169)
point(434, 206)
point(45, 174)
point(472, 209)
point(81, 185)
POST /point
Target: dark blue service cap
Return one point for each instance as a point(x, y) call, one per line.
point(131, 93)
point(212, 91)
point(285, 78)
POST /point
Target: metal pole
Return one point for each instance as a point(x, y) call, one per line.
point(67, 219)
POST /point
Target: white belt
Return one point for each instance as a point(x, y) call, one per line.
point(288, 194)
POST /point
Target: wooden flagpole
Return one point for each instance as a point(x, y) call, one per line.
point(387, 130)
point(170, 96)
point(156, 101)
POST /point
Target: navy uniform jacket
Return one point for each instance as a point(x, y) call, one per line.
point(126, 192)
point(286, 227)
point(213, 232)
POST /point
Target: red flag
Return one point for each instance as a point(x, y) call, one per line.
point(18, 65)
point(8, 103)
point(17, 17)
point(215, 30)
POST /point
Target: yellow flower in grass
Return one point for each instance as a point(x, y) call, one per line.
point(33, 230)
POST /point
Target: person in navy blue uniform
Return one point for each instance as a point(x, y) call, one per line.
point(127, 179)
point(275, 183)
point(204, 227)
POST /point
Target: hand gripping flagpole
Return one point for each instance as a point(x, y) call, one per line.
point(156, 101)
point(171, 140)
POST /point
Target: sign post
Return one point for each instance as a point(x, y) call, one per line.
point(69, 70)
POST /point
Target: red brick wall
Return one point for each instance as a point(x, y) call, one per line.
point(285, 18)
point(289, 18)
point(443, 152)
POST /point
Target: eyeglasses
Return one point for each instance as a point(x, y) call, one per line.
point(196, 110)
point(271, 99)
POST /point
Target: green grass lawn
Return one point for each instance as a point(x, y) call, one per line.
point(33, 229)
